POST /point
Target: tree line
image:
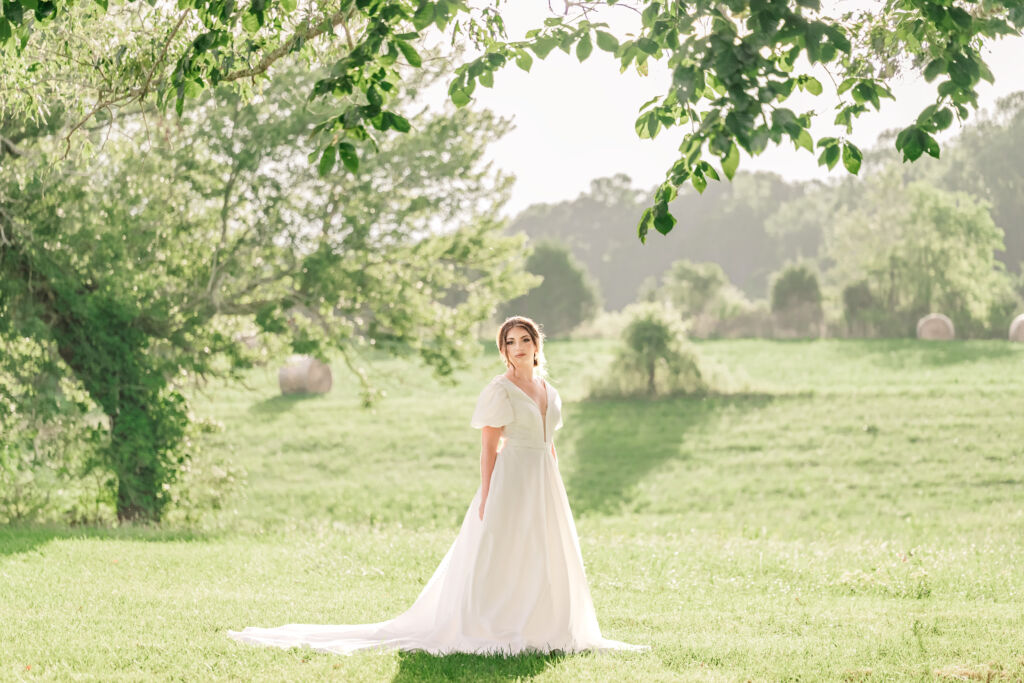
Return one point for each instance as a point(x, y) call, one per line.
point(882, 249)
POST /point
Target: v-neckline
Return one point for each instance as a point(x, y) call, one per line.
point(547, 397)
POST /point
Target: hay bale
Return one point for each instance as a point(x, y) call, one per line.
point(304, 375)
point(935, 326)
point(1017, 329)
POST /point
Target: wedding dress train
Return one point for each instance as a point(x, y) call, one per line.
point(511, 583)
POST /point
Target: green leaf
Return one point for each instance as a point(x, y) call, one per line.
point(699, 182)
point(584, 48)
point(852, 157)
point(846, 85)
point(400, 123)
point(607, 41)
point(960, 72)
point(250, 22)
point(664, 223)
point(804, 140)
point(961, 17)
point(934, 68)
point(829, 156)
point(812, 85)
point(645, 225)
point(731, 161)
point(942, 119)
point(103, 4)
point(410, 54)
point(5, 30)
point(524, 61)
point(985, 73)
point(487, 79)
point(289, 5)
point(542, 47)
point(653, 124)
point(326, 161)
point(909, 142)
point(459, 98)
point(647, 45)
point(424, 16)
point(348, 155)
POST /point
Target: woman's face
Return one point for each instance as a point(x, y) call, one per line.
point(519, 347)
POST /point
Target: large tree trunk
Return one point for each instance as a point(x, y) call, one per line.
point(99, 339)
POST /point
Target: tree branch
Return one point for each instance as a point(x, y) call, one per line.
point(304, 34)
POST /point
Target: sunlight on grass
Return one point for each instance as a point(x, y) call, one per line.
point(855, 515)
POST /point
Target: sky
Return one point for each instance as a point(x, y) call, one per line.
point(574, 121)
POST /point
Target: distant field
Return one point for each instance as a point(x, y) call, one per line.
point(856, 513)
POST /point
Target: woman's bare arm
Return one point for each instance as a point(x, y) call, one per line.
point(489, 437)
point(553, 453)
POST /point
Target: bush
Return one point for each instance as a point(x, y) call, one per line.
point(52, 454)
point(605, 325)
point(52, 435)
point(703, 295)
point(796, 302)
point(755, 321)
point(655, 359)
point(205, 483)
point(567, 296)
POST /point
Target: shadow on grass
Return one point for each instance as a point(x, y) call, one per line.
point(279, 405)
point(421, 666)
point(17, 539)
point(910, 353)
point(621, 441)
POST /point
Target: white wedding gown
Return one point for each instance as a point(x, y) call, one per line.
point(511, 583)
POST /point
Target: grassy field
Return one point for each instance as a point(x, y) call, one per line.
point(857, 513)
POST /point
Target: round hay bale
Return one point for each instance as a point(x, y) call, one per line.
point(304, 375)
point(935, 326)
point(1017, 329)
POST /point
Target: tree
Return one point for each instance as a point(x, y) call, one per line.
point(135, 272)
point(987, 161)
point(566, 295)
point(726, 225)
point(734, 65)
point(691, 288)
point(921, 249)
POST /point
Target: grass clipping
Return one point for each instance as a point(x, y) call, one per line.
point(655, 360)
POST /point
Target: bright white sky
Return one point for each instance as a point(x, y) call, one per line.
point(574, 122)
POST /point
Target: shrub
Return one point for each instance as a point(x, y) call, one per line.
point(796, 302)
point(654, 358)
point(51, 438)
point(703, 295)
point(565, 298)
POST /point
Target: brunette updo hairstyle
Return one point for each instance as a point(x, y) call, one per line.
point(533, 329)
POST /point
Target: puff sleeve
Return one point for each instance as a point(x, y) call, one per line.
point(493, 408)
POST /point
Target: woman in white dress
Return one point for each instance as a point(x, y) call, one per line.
point(513, 580)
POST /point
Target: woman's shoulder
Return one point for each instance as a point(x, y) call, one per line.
point(496, 384)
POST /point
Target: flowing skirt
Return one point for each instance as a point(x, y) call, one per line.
point(511, 583)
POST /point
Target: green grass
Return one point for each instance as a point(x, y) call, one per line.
point(857, 513)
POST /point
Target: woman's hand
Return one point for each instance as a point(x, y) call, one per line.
point(483, 501)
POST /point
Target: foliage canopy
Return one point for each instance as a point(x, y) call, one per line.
point(734, 64)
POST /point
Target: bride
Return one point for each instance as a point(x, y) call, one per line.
point(513, 580)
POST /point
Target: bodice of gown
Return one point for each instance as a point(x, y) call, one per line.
point(503, 404)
